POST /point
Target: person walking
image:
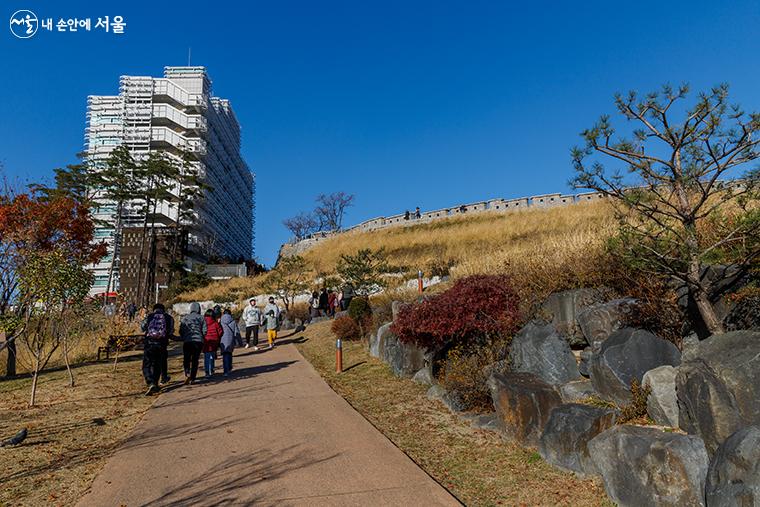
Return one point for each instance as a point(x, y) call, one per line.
point(252, 319)
point(324, 308)
point(158, 328)
point(211, 342)
point(272, 306)
point(417, 213)
point(332, 300)
point(271, 325)
point(348, 295)
point(314, 305)
point(192, 330)
point(230, 331)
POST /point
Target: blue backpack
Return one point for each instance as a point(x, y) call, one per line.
point(157, 327)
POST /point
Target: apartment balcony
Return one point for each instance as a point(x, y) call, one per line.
point(166, 138)
point(164, 89)
point(167, 115)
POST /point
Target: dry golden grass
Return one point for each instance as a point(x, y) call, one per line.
point(477, 466)
point(540, 248)
point(72, 431)
point(480, 243)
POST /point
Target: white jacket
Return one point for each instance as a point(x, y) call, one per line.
point(252, 315)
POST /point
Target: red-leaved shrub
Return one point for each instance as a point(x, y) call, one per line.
point(346, 328)
point(475, 308)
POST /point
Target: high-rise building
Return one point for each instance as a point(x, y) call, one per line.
point(176, 116)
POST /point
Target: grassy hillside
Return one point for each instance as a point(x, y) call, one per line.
point(542, 249)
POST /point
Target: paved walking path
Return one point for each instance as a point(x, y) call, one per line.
point(273, 434)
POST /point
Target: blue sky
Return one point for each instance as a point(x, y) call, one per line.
point(402, 103)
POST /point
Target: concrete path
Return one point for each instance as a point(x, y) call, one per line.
point(273, 434)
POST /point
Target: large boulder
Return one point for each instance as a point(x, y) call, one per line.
point(376, 339)
point(734, 475)
point(599, 321)
point(405, 359)
point(562, 308)
point(540, 350)
point(718, 390)
point(564, 442)
point(662, 405)
point(647, 466)
point(577, 390)
point(626, 356)
point(523, 403)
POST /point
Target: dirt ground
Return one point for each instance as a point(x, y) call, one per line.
point(477, 466)
point(71, 430)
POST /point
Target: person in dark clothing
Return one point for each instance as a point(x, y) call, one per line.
point(406, 215)
point(158, 328)
point(324, 307)
point(131, 311)
point(348, 295)
point(192, 330)
point(417, 213)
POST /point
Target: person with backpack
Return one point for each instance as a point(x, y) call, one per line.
point(158, 328)
point(192, 329)
point(252, 320)
point(230, 331)
point(211, 342)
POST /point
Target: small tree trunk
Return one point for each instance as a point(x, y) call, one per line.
point(35, 375)
point(10, 363)
point(66, 360)
point(707, 312)
point(700, 293)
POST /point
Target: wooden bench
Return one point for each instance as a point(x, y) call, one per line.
point(128, 342)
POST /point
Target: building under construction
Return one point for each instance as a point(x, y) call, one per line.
point(176, 116)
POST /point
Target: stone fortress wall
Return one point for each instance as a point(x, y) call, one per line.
point(490, 206)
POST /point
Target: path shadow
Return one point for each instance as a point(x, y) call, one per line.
point(238, 480)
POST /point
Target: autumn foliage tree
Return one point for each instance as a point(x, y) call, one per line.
point(33, 225)
point(474, 310)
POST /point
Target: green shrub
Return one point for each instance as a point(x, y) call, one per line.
point(360, 312)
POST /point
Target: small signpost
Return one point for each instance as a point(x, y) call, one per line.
point(338, 356)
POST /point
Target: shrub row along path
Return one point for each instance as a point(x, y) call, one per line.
point(273, 433)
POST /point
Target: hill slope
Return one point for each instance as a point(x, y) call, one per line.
point(540, 248)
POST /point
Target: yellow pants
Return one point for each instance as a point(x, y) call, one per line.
point(271, 335)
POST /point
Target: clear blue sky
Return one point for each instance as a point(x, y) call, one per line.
point(401, 103)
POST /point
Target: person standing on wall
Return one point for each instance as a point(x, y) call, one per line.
point(417, 213)
point(192, 330)
point(252, 318)
point(158, 328)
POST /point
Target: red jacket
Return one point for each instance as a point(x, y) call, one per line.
point(213, 335)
